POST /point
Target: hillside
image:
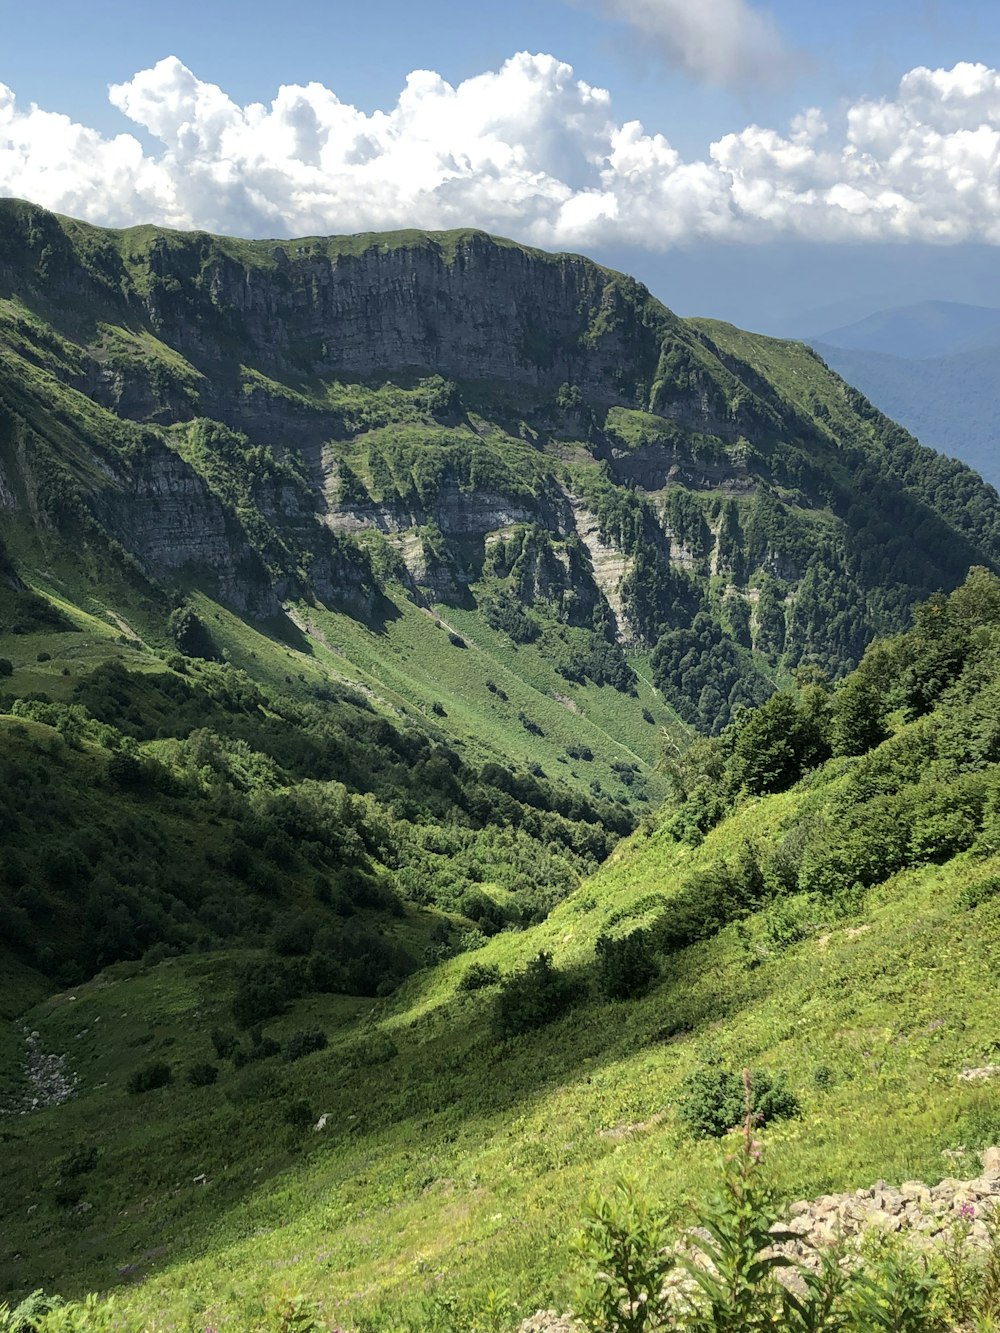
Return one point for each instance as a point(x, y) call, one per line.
point(358, 596)
point(322, 435)
point(830, 921)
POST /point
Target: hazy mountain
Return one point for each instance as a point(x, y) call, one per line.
point(927, 329)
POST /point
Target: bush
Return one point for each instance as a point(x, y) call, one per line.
point(377, 1049)
point(297, 1113)
point(258, 1087)
point(532, 997)
point(261, 1048)
point(626, 967)
point(6, 667)
point(713, 1100)
point(304, 1042)
point(479, 976)
point(147, 1077)
point(44, 657)
point(224, 1042)
point(262, 993)
point(203, 1074)
point(78, 1161)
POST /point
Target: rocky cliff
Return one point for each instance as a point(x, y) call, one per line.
point(253, 414)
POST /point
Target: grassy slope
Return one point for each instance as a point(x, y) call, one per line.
point(460, 1164)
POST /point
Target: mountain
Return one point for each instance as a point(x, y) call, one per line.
point(926, 329)
point(818, 901)
point(931, 367)
point(296, 429)
point(948, 402)
point(358, 596)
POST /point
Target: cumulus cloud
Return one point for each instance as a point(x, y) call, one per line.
point(721, 42)
point(528, 150)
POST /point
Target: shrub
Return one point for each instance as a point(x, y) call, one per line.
point(224, 1042)
point(262, 993)
point(68, 1193)
point(44, 657)
point(536, 995)
point(304, 1042)
point(261, 1048)
point(626, 967)
point(297, 1113)
point(202, 1074)
point(377, 1049)
point(625, 1261)
point(479, 976)
point(78, 1161)
point(147, 1077)
point(6, 667)
point(713, 1100)
point(294, 936)
point(257, 1087)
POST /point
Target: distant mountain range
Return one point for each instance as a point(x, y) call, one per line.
point(933, 367)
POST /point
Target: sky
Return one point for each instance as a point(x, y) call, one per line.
point(788, 166)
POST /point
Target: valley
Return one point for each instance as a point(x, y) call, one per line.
point(449, 706)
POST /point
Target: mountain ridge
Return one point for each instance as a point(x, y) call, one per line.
point(599, 398)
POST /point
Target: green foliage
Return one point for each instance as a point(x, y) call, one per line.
point(503, 611)
point(626, 967)
point(190, 634)
point(705, 675)
point(202, 1074)
point(713, 1100)
point(78, 1161)
point(478, 976)
point(538, 994)
point(771, 746)
point(623, 1263)
point(858, 715)
point(733, 1262)
point(895, 1293)
point(304, 1042)
point(155, 1074)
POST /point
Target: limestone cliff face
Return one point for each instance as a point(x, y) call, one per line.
point(163, 513)
point(487, 311)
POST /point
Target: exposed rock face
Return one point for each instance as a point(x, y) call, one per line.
point(486, 311)
point(610, 567)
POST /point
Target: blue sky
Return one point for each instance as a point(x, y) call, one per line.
point(779, 227)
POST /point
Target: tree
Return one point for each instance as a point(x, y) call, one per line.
point(765, 756)
point(626, 967)
point(858, 712)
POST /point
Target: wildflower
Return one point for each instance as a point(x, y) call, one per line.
point(967, 1212)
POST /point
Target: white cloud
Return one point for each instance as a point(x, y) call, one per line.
point(721, 42)
point(527, 150)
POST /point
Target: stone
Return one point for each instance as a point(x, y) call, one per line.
point(980, 1074)
point(991, 1161)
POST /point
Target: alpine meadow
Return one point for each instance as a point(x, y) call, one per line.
point(470, 740)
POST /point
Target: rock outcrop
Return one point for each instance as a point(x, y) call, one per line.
point(923, 1215)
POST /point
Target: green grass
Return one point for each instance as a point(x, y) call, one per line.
point(411, 664)
point(460, 1164)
